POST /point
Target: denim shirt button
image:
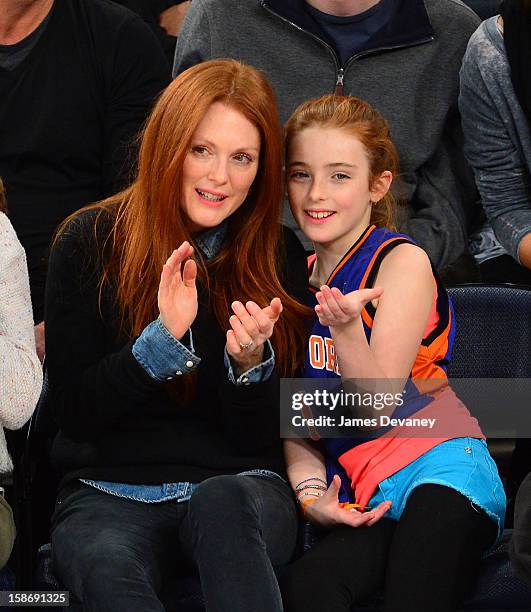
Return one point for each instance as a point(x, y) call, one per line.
point(189, 364)
point(179, 373)
point(169, 377)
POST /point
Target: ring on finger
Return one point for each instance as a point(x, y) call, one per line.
point(247, 345)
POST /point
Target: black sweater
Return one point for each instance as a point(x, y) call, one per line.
point(116, 422)
point(68, 113)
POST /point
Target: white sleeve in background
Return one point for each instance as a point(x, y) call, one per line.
point(20, 368)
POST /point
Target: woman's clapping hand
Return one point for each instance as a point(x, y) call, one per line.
point(251, 327)
point(177, 297)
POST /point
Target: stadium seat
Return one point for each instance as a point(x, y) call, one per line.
point(496, 321)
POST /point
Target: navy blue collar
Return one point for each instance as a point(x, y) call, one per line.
point(410, 25)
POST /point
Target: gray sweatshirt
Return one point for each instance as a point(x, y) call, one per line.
point(410, 76)
point(497, 136)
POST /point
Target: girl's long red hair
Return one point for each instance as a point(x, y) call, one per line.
point(149, 222)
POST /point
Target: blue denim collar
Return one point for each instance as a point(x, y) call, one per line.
point(210, 240)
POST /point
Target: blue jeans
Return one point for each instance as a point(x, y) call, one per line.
point(114, 554)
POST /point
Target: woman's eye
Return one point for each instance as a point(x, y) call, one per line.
point(340, 176)
point(243, 158)
point(200, 150)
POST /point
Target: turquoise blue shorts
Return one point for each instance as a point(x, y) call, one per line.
point(463, 464)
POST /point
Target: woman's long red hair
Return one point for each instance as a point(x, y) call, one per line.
point(149, 222)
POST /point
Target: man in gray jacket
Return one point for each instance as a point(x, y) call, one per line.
point(402, 56)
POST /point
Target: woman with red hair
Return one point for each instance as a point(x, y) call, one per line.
point(170, 310)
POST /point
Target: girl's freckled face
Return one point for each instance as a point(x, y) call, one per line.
point(328, 184)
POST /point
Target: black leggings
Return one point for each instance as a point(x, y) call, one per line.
point(425, 561)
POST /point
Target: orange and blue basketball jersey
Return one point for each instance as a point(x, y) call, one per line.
point(364, 462)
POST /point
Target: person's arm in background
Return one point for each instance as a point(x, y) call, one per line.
point(443, 207)
point(193, 44)
point(137, 73)
point(164, 17)
point(20, 368)
point(443, 193)
point(39, 340)
point(502, 175)
point(171, 17)
point(524, 251)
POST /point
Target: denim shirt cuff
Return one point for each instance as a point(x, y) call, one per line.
point(256, 374)
point(162, 355)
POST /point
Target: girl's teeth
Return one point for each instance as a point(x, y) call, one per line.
point(320, 215)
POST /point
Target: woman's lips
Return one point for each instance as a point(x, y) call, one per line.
point(211, 198)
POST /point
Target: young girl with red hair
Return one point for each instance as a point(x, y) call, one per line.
point(433, 500)
point(172, 309)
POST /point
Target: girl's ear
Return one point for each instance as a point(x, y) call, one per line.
point(381, 186)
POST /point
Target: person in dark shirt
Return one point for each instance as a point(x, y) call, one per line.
point(171, 310)
point(77, 80)
point(164, 17)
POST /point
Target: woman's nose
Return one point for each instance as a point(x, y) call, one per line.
point(218, 171)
